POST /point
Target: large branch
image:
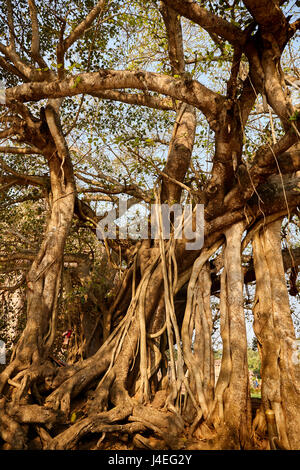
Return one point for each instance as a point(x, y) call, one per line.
point(21, 178)
point(271, 38)
point(23, 69)
point(84, 25)
point(116, 188)
point(4, 64)
point(179, 155)
point(21, 150)
point(211, 23)
point(265, 163)
point(139, 99)
point(10, 23)
point(183, 135)
point(30, 256)
point(175, 42)
point(183, 89)
point(35, 38)
point(268, 16)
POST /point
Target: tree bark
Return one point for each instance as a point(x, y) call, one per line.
point(274, 330)
point(44, 276)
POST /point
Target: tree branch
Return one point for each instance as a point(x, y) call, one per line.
point(10, 23)
point(187, 90)
point(24, 179)
point(174, 33)
point(139, 99)
point(268, 15)
point(35, 40)
point(21, 151)
point(84, 25)
point(263, 166)
point(208, 21)
point(24, 69)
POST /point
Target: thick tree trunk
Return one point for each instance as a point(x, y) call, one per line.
point(180, 151)
point(237, 395)
point(44, 277)
point(231, 412)
point(275, 332)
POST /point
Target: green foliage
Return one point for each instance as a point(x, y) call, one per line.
point(295, 116)
point(254, 363)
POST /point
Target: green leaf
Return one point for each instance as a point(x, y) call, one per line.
point(294, 116)
point(76, 81)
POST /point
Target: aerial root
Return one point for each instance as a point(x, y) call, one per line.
point(11, 431)
point(15, 418)
point(140, 418)
point(6, 375)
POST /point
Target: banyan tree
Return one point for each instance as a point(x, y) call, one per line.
point(166, 104)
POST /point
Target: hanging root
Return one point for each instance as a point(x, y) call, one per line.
point(228, 418)
point(126, 389)
point(191, 318)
